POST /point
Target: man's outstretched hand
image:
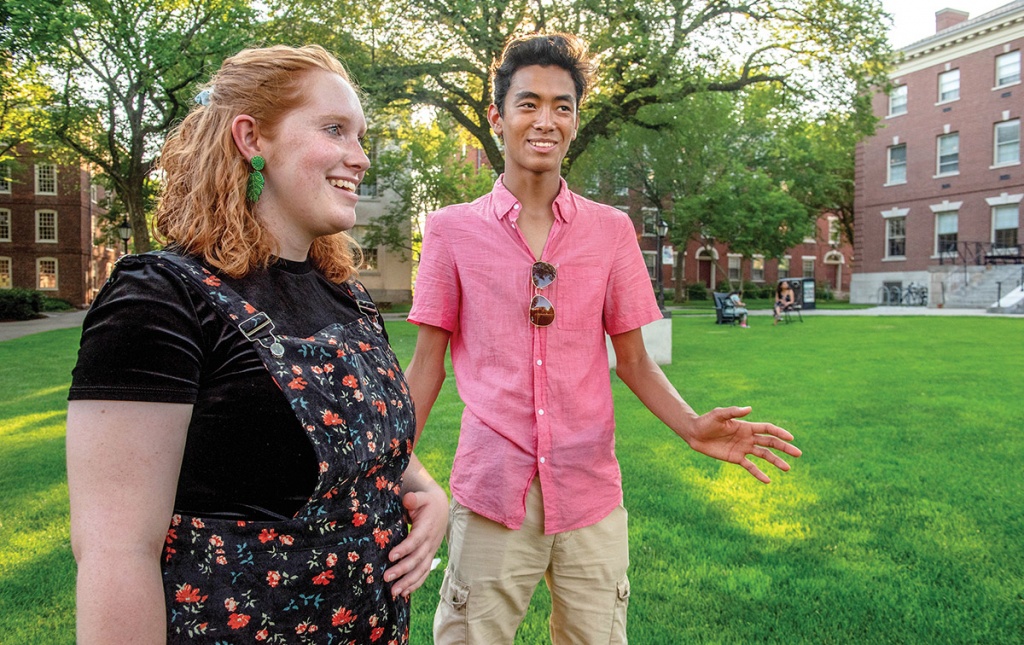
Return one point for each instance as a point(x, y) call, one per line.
point(721, 434)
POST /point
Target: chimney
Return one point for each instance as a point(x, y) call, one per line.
point(946, 18)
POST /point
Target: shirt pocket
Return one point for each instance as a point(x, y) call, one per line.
point(579, 301)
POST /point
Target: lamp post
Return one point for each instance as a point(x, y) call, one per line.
point(124, 231)
point(662, 232)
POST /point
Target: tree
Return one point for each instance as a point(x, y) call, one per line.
point(123, 72)
point(649, 51)
point(423, 164)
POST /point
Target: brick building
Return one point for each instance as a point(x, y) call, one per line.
point(939, 186)
point(48, 221)
point(825, 256)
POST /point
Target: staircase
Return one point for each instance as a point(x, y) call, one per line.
point(976, 287)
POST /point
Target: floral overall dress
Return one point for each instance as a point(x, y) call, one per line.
point(318, 577)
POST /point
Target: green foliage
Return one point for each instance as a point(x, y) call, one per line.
point(697, 291)
point(122, 73)
point(20, 304)
point(873, 538)
point(423, 165)
point(648, 52)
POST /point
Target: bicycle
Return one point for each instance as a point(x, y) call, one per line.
point(915, 295)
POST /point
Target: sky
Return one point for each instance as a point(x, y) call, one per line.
point(915, 19)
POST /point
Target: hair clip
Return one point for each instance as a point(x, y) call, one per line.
point(203, 98)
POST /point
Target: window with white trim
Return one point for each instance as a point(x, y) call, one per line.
point(947, 226)
point(757, 268)
point(1007, 143)
point(46, 274)
point(5, 273)
point(649, 218)
point(735, 268)
point(948, 154)
point(46, 226)
point(1005, 224)
point(5, 225)
point(896, 237)
point(949, 85)
point(808, 267)
point(370, 260)
point(784, 267)
point(1008, 68)
point(898, 100)
point(5, 178)
point(897, 164)
point(835, 234)
point(46, 179)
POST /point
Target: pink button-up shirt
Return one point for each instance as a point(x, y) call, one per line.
point(538, 400)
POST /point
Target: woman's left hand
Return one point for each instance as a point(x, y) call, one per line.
point(411, 559)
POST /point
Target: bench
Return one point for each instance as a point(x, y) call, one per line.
point(725, 311)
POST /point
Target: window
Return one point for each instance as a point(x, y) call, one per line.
point(898, 100)
point(651, 260)
point(1008, 68)
point(835, 234)
point(949, 154)
point(5, 225)
point(808, 268)
point(46, 179)
point(5, 273)
point(46, 226)
point(784, 267)
point(735, 266)
point(94, 192)
point(1005, 222)
point(46, 274)
point(949, 85)
point(946, 225)
point(369, 260)
point(1007, 143)
point(757, 269)
point(897, 164)
point(650, 221)
point(5, 178)
point(896, 237)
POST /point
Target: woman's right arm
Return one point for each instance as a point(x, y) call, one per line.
point(123, 460)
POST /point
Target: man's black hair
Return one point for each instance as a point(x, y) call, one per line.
point(558, 50)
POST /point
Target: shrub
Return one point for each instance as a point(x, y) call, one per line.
point(697, 291)
point(56, 304)
point(20, 304)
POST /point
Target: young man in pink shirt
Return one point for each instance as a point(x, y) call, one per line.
point(523, 283)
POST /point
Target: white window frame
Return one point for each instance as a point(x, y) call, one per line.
point(5, 225)
point(891, 165)
point(738, 267)
point(784, 264)
point(757, 268)
point(40, 169)
point(951, 80)
point(1008, 208)
point(1012, 143)
point(6, 261)
point(39, 274)
point(649, 221)
point(807, 261)
point(39, 238)
point(952, 136)
point(898, 100)
point(890, 238)
point(939, 215)
point(5, 178)
point(1011, 76)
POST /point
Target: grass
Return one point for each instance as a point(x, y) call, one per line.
point(902, 523)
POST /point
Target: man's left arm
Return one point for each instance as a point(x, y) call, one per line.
point(719, 433)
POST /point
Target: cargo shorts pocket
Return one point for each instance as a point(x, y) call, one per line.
point(451, 621)
point(618, 635)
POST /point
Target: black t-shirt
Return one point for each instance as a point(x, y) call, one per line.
point(150, 336)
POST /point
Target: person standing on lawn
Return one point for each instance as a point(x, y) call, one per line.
point(239, 433)
point(523, 283)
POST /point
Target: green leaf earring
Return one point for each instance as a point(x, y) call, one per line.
point(255, 187)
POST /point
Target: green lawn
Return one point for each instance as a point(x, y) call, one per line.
point(902, 523)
